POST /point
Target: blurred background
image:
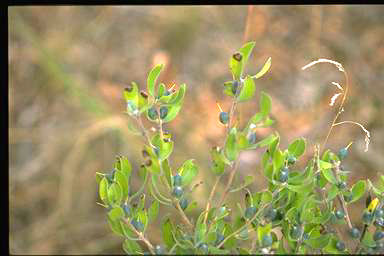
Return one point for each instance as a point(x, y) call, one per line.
point(68, 67)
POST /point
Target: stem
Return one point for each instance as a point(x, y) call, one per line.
point(210, 198)
point(229, 183)
point(141, 236)
point(183, 216)
point(140, 189)
point(250, 220)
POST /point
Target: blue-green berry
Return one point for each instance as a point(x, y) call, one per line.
point(367, 217)
point(177, 180)
point(285, 169)
point(379, 245)
point(137, 224)
point(224, 117)
point(339, 214)
point(354, 232)
point(163, 112)
point(127, 210)
point(250, 212)
point(340, 246)
point(379, 222)
point(379, 213)
point(267, 240)
point(235, 85)
point(283, 176)
point(219, 238)
point(177, 191)
point(271, 214)
point(378, 235)
point(252, 138)
point(343, 153)
point(152, 113)
point(291, 159)
point(305, 236)
point(296, 232)
point(183, 203)
point(342, 185)
point(159, 249)
point(203, 247)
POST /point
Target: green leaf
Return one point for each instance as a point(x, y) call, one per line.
point(265, 68)
point(201, 228)
point(265, 104)
point(274, 145)
point(188, 172)
point(332, 193)
point(318, 242)
point(152, 77)
point(191, 207)
point(248, 90)
point(263, 230)
point(175, 107)
point(103, 190)
point(325, 165)
point(115, 194)
point(143, 217)
point(167, 171)
point(155, 166)
point(126, 167)
point(114, 217)
point(303, 188)
point(297, 147)
point(231, 149)
point(122, 180)
point(331, 247)
point(132, 247)
point(368, 240)
point(132, 94)
point(237, 66)
point(231, 242)
point(278, 159)
point(167, 233)
point(328, 174)
point(153, 211)
point(99, 177)
point(358, 190)
point(165, 148)
point(247, 180)
point(216, 251)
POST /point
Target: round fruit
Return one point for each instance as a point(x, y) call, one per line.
point(379, 222)
point(224, 117)
point(267, 240)
point(340, 246)
point(291, 159)
point(379, 245)
point(355, 232)
point(159, 249)
point(305, 236)
point(219, 238)
point(163, 112)
point(252, 138)
point(204, 247)
point(342, 185)
point(285, 169)
point(271, 214)
point(177, 180)
point(378, 235)
point(166, 93)
point(343, 153)
point(235, 85)
point(127, 210)
point(283, 176)
point(339, 214)
point(137, 224)
point(152, 113)
point(177, 191)
point(296, 232)
point(367, 217)
point(250, 212)
point(183, 203)
point(379, 213)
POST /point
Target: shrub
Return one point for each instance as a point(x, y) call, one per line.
point(300, 211)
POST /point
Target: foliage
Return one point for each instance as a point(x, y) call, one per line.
point(300, 211)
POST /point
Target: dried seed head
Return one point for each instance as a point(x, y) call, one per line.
point(129, 88)
point(145, 153)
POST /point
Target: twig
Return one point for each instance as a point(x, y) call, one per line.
point(210, 198)
point(184, 217)
point(141, 236)
point(229, 183)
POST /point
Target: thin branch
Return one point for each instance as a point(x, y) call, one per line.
point(141, 236)
point(210, 198)
point(229, 183)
